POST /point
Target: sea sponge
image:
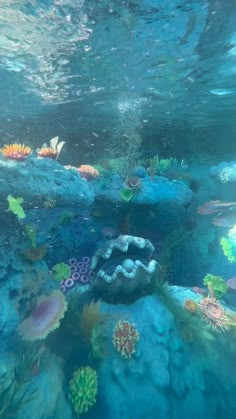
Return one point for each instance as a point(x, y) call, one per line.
point(83, 389)
point(45, 317)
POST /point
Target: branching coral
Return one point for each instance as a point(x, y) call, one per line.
point(45, 317)
point(83, 389)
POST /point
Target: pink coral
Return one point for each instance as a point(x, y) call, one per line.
point(45, 317)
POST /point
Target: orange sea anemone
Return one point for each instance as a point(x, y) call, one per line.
point(190, 306)
point(47, 152)
point(214, 314)
point(88, 172)
point(45, 317)
point(15, 151)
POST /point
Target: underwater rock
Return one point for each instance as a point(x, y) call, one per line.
point(225, 172)
point(168, 373)
point(124, 265)
point(37, 180)
point(158, 190)
point(49, 400)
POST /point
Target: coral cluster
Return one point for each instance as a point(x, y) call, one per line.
point(80, 273)
point(83, 389)
point(125, 338)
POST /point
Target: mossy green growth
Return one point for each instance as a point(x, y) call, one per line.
point(61, 271)
point(127, 194)
point(229, 249)
point(83, 389)
point(217, 284)
point(30, 231)
point(15, 206)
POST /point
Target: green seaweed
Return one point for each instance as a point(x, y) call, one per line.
point(15, 206)
point(229, 249)
point(127, 194)
point(61, 271)
point(30, 231)
point(216, 284)
point(15, 395)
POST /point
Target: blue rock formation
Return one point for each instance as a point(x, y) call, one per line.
point(38, 180)
point(167, 377)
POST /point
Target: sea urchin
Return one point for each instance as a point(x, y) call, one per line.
point(213, 313)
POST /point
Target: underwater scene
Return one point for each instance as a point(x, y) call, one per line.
point(118, 209)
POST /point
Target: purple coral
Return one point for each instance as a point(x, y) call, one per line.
point(80, 273)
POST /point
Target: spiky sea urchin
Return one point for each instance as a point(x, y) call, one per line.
point(213, 313)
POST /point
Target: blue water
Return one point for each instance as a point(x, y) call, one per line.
point(117, 209)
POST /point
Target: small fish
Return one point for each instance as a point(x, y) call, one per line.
point(225, 219)
point(198, 290)
point(212, 207)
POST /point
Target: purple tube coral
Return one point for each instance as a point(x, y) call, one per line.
point(80, 273)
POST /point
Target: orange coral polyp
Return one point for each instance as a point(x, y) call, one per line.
point(191, 306)
point(47, 152)
point(15, 151)
point(88, 172)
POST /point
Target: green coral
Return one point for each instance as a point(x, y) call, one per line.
point(228, 249)
point(83, 389)
point(127, 194)
point(15, 206)
point(61, 271)
point(217, 284)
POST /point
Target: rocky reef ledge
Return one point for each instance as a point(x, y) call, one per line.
point(152, 191)
point(41, 180)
